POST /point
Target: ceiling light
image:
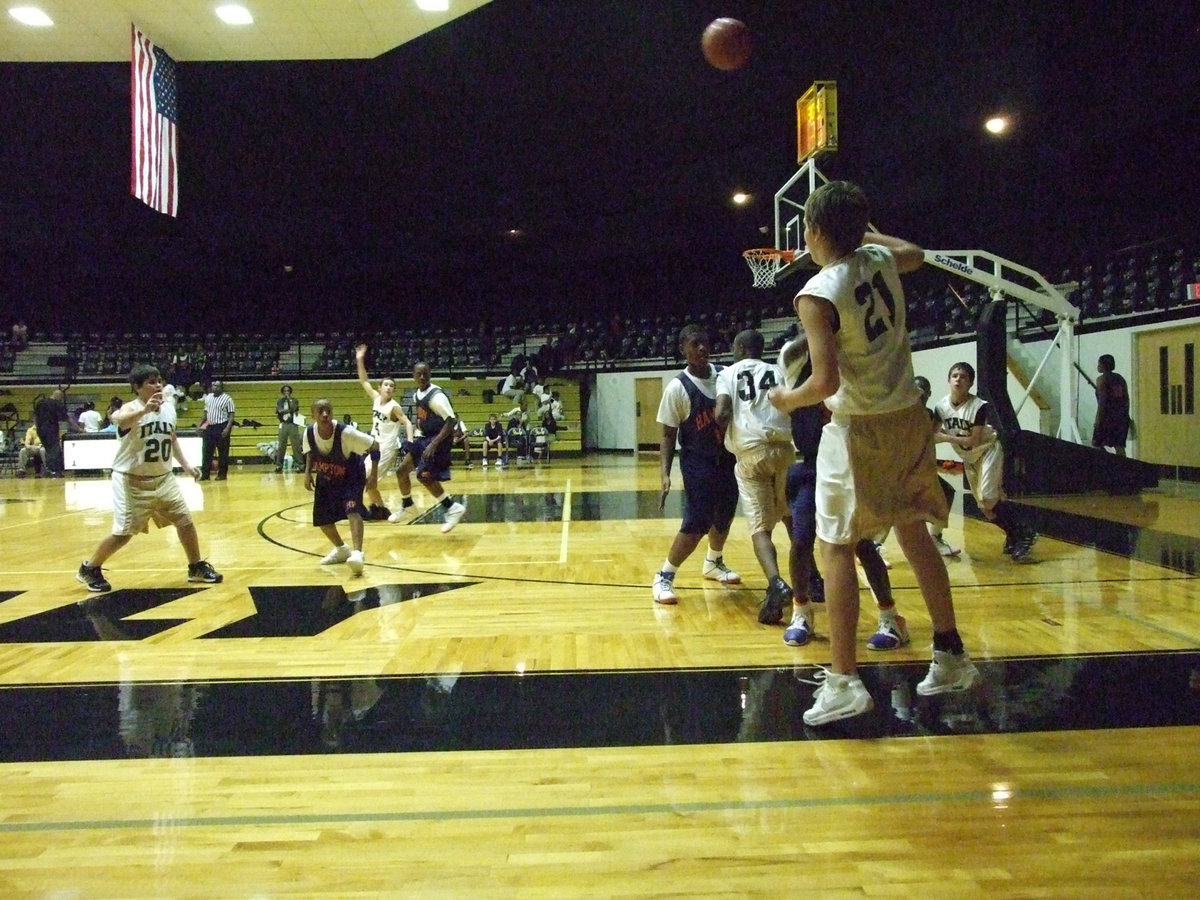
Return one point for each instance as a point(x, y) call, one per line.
point(31, 15)
point(996, 124)
point(740, 197)
point(233, 14)
point(433, 5)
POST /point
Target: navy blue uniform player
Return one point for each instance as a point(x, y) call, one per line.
point(428, 453)
point(335, 471)
point(709, 488)
point(807, 422)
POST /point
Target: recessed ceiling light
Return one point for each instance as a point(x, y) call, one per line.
point(433, 5)
point(232, 14)
point(996, 124)
point(31, 15)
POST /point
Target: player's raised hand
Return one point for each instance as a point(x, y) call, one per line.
point(360, 351)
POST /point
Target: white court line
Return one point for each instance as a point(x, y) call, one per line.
point(25, 524)
point(566, 520)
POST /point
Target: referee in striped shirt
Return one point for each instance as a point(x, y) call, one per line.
point(218, 424)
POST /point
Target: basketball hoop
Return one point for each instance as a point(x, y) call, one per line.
point(765, 264)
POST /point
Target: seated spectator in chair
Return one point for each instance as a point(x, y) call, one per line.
point(31, 451)
point(518, 431)
point(462, 438)
point(550, 426)
point(493, 439)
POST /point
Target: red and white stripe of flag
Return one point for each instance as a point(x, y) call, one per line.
point(155, 169)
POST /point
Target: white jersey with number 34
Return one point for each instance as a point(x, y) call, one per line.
point(755, 421)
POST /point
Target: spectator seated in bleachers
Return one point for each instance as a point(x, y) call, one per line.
point(513, 385)
point(20, 335)
point(530, 375)
point(181, 372)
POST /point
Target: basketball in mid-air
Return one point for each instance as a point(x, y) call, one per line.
point(726, 44)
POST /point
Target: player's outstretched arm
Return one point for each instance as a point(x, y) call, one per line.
point(360, 361)
point(399, 416)
point(909, 257)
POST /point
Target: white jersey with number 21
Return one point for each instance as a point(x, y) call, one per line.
point(873, 353)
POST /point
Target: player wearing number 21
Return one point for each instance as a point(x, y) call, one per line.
point(143, 484)
point(875, 465)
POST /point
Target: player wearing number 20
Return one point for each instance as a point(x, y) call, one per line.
point(143, 486)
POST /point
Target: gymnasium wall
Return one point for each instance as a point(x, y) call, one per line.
point(255, 402)
point(611, 422)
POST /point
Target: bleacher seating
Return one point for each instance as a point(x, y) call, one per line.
point(1145, 282)
point(255, 402)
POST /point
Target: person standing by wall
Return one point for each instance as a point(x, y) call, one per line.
point(287, 411)
point(1112, 408)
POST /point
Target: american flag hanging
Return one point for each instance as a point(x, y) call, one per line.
point(155, 170)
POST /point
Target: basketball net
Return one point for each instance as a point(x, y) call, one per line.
point(765, 264)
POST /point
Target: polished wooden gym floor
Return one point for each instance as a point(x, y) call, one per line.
point(503, 712)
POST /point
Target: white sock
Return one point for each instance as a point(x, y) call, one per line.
point(668, 568)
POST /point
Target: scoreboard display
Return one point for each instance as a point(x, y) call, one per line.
point(816, 121)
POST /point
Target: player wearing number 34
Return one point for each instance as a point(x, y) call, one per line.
point(143, 484)
point(760, 438)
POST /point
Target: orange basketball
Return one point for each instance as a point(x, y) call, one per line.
point(726, 44)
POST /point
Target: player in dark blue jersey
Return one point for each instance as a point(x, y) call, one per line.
point(709, 488)
point(428, 453)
